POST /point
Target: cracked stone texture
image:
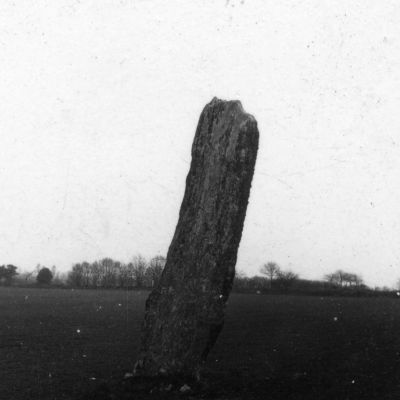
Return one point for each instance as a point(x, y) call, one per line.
point(185, 312)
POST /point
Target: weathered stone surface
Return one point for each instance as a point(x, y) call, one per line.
point(185, 312)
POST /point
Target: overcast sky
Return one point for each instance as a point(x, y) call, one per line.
point(99, 101)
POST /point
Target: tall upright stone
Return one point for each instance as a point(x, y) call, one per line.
point(185, 312)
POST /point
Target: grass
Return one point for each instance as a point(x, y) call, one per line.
point(59, 344)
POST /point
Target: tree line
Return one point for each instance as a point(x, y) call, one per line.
point(108, 273)
point(274, 279)
point(8, 275)
point(141, 273)
point(344, 279)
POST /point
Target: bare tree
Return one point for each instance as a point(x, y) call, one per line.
point(154, 270)
point(109, 275)
point(125, 277)
point(352, 279)
point(271, 270)
point(337, 278)
point(86, 274)
point(138, 266)
point(330, 278)
point(342, 278)
point(95, 274)
point(286, 279)
point(75, 276)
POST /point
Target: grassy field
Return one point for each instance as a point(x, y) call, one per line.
point(58, 344)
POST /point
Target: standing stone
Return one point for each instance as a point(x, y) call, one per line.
point(185, 312)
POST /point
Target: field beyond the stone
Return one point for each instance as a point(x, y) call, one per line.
point(59, 344)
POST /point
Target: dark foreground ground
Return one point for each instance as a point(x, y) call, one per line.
point(63, 344)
